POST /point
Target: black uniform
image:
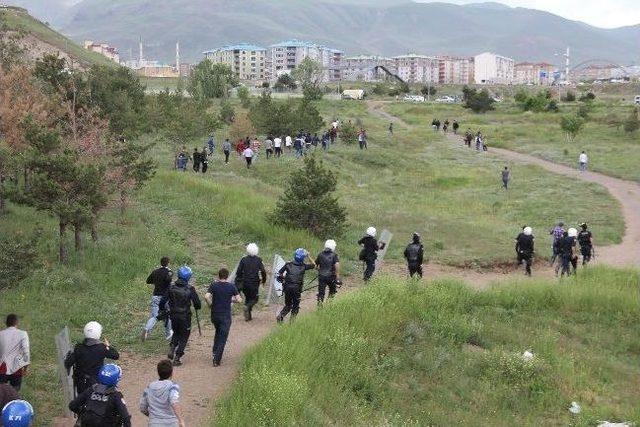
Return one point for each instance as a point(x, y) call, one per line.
point(101, 406)
point(197, 159)
point(524, 248)
point(292, 276)
point(250, 274)
point(87, 359)
point(369, 254)
point(204, 159)
point(160, 278)
point(414, 254)
point(586, 246)
point(565, 247)
point(181, 297)
point(326, 262)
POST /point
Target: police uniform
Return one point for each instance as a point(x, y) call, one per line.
point(101, 406)
point(86, 359)
point(414, 254)
point(293, 273)
point(586, 247)
point(181, 297)
point(250, 274)
point(326, 262)
point(524, 248)
point(369, 255)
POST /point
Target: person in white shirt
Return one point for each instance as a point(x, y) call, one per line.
point(277, 144)
point(288, 142)
point(583, 160)
point(15, 355)
point(248, 156)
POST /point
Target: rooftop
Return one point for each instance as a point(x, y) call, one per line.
point(294, 43)
point(239, 46)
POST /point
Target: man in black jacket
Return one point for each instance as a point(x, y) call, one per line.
point(181, 296)
point(525, 248)
point(328, 265)
point(292, 277)
point(88, 357)
point(250, 274)
point(585, 239)
point(369, 253)
point(160, 278)
point(102, 404)
point(414, 254)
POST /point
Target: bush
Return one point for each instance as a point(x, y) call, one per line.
point(632, 123)
point(308, 202)
point(380, 89)
point(569, 97)
point(552, 106)
point(349, 133)
point(571, 125)
point(586, 97)
point(428, 90)
point(241, 127)
point(17, 257)
point(227, 113)
point(244, 96)
point(584, 110)
point(478, 102)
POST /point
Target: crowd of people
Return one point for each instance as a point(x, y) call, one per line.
point(564, 248)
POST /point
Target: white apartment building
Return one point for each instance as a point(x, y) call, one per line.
point(103, 49)
point(362, 68)
point(455, 70)
point(284, 57)
point(490, 68)
point(417, 68)
point(540, 74)
point(247, 61)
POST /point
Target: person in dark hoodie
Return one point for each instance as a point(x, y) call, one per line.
point(102, 404)
point(328, 265)
point(181, 296)
point(160, 400)
point(291, 275)
point(249, 275)
point(369, 253)
point(87, 357)
point(525, 248)
point(414, 254)
point(197, 160)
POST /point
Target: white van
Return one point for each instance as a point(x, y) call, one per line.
point(357, 94)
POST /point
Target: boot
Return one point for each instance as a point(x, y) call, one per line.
point(177, 362)
point(279, 318)
point(172, 351)
point(247, 314)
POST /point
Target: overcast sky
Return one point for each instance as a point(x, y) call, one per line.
point(606, 14)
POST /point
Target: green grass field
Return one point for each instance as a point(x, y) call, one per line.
point(402, 354)
point(18, 20)
point(611, 150)
point(416, 181)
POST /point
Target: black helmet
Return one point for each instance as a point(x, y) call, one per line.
point(416, 238)
point(583, 225)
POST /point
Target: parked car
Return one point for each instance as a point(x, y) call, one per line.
point(414, 98)
point(446, 99)
point(636, 100)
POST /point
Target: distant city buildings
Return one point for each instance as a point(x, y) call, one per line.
point(245, 60)
point(103, 49)
point(414, 68)
point(455, 70)
point(597, 72)
point(363, 67)
point(529, 73)
point(490, 68)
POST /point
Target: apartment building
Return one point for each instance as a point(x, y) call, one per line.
point(490, 68)
point(362, 68)
point(103, 49)
point(284, 57)
point(596, 72)
point(414, 68)
point(247, 61)
point(331, 60)
point(455, 70)
point(530, 73)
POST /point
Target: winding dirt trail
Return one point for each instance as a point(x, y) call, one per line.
point(201, 383)
point(627, 253)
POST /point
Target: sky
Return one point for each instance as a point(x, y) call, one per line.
point(605, 14)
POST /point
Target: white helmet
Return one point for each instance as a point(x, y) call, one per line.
point(371, 231)
point(330, 244)
point(572, 232)
point(252, 249)
point(93, 330)
point(528, 231)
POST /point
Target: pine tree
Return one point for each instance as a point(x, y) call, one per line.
point(308, 202)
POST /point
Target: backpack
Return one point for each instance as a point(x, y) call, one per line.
point(584, 238)
point(413, 251)
point(327, 260)
point(99, 410)
point(295, 275)
point(180, 298)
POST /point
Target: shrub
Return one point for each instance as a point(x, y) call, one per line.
point(589, 96)
point(428, 90)
point(379, 89)
point(17, 257)
point(584, 110)
point(569, 97)
point(571, 125)
point(308, 202)
point(227, 113)
point(349, 133)
point(478, 102)
point(243, 95)
point(552, 106)
point(632, 123)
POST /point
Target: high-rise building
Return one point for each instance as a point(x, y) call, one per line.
point(247, 61)
point(490, 68)
point(529, 73)
point(284, 57)
point(103, 49)
point(455, 70)
point(417, 68)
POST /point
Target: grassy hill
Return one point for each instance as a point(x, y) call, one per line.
point(38, 38)
point(402, 353)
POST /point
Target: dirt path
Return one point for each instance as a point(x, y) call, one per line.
point(627, 253)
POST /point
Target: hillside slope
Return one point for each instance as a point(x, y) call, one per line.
point(37, 39)
point(389, 28)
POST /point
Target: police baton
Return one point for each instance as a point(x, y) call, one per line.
point(309, 283)
point(198, 322)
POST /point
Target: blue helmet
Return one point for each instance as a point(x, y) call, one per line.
point(109, 375)
point(185, 273)
point(17, 413)
point(299, 255)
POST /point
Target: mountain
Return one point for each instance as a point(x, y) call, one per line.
point(45, 10)
point(37, 39)
point(387, 27)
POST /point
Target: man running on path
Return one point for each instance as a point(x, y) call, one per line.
point(181, 297)
point(291, 275)
point(250, 274)
point(160, 278)
point(328, 265)
point(525, 248)
point(585, 239)
point(414, 254)
point(220, 295)
point(369, 252)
